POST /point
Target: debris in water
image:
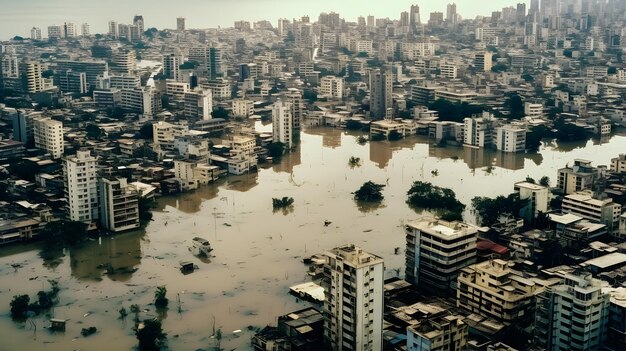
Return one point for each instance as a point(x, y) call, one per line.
point(228, 225)
point(367, 230)
point(236, 331)
point(327, 223)
point(86, 314)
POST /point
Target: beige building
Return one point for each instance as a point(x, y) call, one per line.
point(603, 211)
point(618, 164)
point(442, 333)
point(578, 177)
point(243, 108)
point(49, 136)
point(494, 290)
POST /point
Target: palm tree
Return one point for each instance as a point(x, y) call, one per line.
point(160, 298)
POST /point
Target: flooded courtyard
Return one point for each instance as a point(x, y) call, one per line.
point(257, 252)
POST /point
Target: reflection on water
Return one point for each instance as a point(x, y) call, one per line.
point(116, 257)
point(257, 254)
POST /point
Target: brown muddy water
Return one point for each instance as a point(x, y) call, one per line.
point(257, 253)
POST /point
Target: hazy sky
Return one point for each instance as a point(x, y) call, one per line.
point(18, 16)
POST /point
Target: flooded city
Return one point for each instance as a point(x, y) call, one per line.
point(257, 252)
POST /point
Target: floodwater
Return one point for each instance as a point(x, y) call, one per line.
point(257, 253)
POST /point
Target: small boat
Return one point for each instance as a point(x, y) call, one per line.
point(201, 246)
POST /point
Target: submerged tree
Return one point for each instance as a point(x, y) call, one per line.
point(489, 210)
point(150, 334)
point(160, 298)
point(354, 161)
point(283, 202)
point(19, 306)
point(431, 197)
point(369, 192)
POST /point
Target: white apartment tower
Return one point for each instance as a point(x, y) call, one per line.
point(113, 30)
point(49, 136)
point(84, 30)
point(353, 285)
point(483, 61)
point(282, 123)
point(35, 33)
point(199, 104)
point(81, 186)
point(573, 315)
point(511, 138)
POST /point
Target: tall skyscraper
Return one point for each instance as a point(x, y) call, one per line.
point(81, 186)
point(49, 136)
point(171, 67)
point(381, 99)
point(35, 33)
point(353, 284)
point(414, 18)
point(282, 123)
point(31, 73)
point(138, 21)
point(451, 15)
point(180, 23)
point(124, 61)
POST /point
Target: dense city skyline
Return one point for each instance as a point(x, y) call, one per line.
point(21, 16)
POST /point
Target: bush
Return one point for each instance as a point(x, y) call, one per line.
point(150, 334)
point(430, 197)
point(19, 306)
point(282, 203)
point(369, 192)
point(160, 298)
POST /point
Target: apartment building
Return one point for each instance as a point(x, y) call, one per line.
point(436, 250)
point(119, 205)
point(603, 211)
point(578, 177)
point(511, 138)
point(353, 306)
point(49, 136)
point(81, 186)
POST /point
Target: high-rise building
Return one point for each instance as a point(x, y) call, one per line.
point(23, 127)
point(414, 18)
point(353, 284)
point(49, 136)
point(573, 315)
point(436, 250)
point(138, 21)
point(198, 104)
point(84, 30)
point(81, 186)
point(55, 32)
point(479, 130)
point(538, 197)
point(92, 69)
point(31, 73)
point(113, 30)
point(35, 33)
point(9, 66)
point(72, 82)
point(180, 23)
point(521, 13)
point(171, 67)
point(119, 205)
point(69, 30)
point(282, 123)
point(209, 60)
point(451, 16)
point(511, 138)
point(381, 89)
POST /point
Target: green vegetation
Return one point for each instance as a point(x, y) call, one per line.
point(220, 112)
point(284, 202)
point(63, 232)
point(489, 210)
point(146, 131)
point(19, 306)
point(545, 181)
point(145, 209)
point(150, 334)
point(354, 161)
point(276, 150)
point(431, 197)
point(530, 180)
point(369, 192)
point(361, 140)
point(568, 131)
point(94, 132)
point(24, 169)
point(455, 112)
point(515, 105)
point(160, 298)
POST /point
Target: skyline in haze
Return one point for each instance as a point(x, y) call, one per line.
point(17, 18)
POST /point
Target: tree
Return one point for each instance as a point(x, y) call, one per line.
point(220, 112)
point(160, 298)
point(93, 131)
point(361, 140)
point(19, 306)
point(489, 210)
point(145, 209)
point(431, 197)
point(276, 149)
point(24, 169)
point(150, 334)
point(354, 161)
point(545, 181)
point(530, 180)
point(63, 232)
point(284, 202)
point(146, 131)
point(369, 192)
point(515, 105)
